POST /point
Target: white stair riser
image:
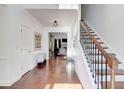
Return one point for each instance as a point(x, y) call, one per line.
point(117, 78)
point(104, 66)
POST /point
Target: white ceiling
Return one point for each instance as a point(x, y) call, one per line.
point(41, 6)
point(47, 16)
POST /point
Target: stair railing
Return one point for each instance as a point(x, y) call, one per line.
point(98, 58)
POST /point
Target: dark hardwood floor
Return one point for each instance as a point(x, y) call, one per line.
point(56, 73)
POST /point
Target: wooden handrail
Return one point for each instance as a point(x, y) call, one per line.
point(102, 50)
point(111, 59)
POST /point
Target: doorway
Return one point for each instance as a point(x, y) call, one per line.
point(57, 44)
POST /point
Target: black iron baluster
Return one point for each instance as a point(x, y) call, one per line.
point(98, 71)
point(106, 74)
point(93, 58)
point(102, 71)
point(88, 44)
point(95, 64)
point(90, 53)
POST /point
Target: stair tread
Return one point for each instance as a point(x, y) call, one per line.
point(98, 62)
point(92, 42)
point(86, 32)
point(117, 72)
point(89, 38)
point(102, 62)
point(94, 54)
point(94, 47)
point(118, 84)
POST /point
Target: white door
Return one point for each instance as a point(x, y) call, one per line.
point(27, 43)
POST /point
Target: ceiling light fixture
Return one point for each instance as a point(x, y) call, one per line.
point(55, 23)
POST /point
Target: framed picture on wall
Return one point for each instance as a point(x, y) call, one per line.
point(37, 40)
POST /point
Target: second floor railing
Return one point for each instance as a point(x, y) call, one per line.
point(101, 63)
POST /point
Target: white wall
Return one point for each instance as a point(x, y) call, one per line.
point(81, 66)
point(70, 36)
point(108, 22)
point(29, 26)
point(17, 54)
point(3, 45)
point(11, 19)
point(45, 37)
point(2, 35)
point(15, 58)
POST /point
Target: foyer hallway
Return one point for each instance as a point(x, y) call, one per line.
point(56, 74)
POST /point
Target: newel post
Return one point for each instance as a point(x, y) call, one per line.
point(114, 67)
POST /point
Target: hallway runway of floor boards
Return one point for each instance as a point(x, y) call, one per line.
point(57, 73)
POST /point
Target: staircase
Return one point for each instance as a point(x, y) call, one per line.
point(102, 64)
